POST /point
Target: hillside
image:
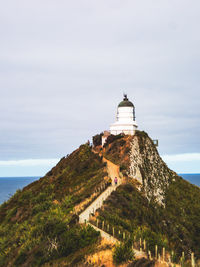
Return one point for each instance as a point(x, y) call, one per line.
point(154, 203)
point(39, 225)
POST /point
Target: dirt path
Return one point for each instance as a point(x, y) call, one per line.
point(113, 171)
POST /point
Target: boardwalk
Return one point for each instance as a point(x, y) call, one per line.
point(113, 171)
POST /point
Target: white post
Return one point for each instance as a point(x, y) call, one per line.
point(156, 251)
point(124, 235)
point(140, 244)
point(144, 245)
point(192, 260)
point(163, 254)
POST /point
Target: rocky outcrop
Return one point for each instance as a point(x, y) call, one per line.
point(147, 167)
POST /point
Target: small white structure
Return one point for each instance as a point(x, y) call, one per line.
point(104, 137)
point(125, 120)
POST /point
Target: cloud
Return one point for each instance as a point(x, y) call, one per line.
point(182, 157)
point(29, 162)
point(183, 163)
point(26, 167)
point(64, 66)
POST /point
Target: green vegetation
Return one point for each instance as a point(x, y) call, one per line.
point(123, 252)
point(111, 138)
point(38, 224)
point(97, 139)
point(175, 227)
point(116, 149)
point(175, 224)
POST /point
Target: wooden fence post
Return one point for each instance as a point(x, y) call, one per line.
point(169, 259)
point(172, 253)
point(144, 243)
point(183, 257)
point(192, 260)
point(156, 251)
point(163, 254)
point(124, 235)
point(149, 252)
point(113, 231)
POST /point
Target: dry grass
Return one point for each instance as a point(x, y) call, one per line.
point(78, 208)
point(103, 256)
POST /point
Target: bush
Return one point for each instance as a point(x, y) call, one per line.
point(123, 252)
point(77, 238)
point(122, 167)
point(21, 258)
point(111, 138)
point(97, 140)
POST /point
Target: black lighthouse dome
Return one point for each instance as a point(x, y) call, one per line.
point(125, 102)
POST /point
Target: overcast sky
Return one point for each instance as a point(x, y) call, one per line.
point(64, 66)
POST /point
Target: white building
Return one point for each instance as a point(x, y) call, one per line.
point(125, 119)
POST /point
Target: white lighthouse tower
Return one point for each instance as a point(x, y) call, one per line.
point(125, 119)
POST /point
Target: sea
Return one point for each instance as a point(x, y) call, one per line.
point(9, 185)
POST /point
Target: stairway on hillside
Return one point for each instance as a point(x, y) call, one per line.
point(113, 171)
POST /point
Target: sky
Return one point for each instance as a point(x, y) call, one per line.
point(64, 66)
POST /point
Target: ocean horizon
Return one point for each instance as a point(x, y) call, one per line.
point(9, 185)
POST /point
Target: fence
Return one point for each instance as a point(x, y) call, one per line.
point(157, 253)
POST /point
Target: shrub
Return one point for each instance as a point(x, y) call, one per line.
point(76, 238)
point(123, 252)
point(41, 207)
point(21, 258)
point(97, 139)
point(122, 167)
point(111, 138)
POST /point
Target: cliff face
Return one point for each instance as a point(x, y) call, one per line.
point(139, 159)
point(154, 202)
point(147, 167)
point(39, 225)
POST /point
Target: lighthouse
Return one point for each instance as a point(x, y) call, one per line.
point(125, 118)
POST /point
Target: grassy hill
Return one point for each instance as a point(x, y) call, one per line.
point(170, 219)
point(38, 224)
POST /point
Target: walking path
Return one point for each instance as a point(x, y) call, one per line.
point(104, 234)
point(113, 171)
